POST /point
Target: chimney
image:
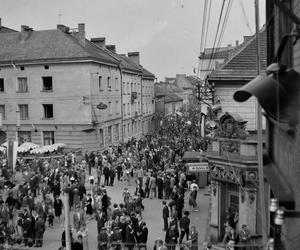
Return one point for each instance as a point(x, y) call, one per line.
point(0, 22)
point(135, 57)
point(247, 38)
point(229, 46)
point(236, 43)
point(81, 33)
point(25, 32)
point(111, 48)
point(99, 41)
point(63, 28)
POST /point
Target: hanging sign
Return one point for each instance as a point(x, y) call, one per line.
point(101, 106)
point(198, 167)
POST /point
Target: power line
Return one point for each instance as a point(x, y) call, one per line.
point(245, 16)
point(202, 33)
point(225, 19)
point(217, 31)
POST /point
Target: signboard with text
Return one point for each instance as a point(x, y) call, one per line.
point(198, 167)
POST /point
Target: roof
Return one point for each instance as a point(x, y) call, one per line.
point(183, 82)
point(50, 45)
point(4, 29)
point(242, 63)
point(222, 53)
point(169, 96)
point(144, 72)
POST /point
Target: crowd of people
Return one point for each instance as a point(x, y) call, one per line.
point(152, 163)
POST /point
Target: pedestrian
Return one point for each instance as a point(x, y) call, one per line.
point(77, 245)
point(58, 205)
point(165, 215)
point(172, 237)
point(193, 238)
point(39, 231)
point(184, 224)
point(192, 200)
point(245, 237)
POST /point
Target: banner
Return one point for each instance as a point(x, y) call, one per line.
point(12, 154)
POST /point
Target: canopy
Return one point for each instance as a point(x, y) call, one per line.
point(26, 146)
point(192, 156)
point(47, 148)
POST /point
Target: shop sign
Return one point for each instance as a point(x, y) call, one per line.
point(225, 173)
point(198, 167)
point(101, 106)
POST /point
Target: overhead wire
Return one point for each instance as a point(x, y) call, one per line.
point(202, 34)
point(245, 16)
point(206, 32)
point(225, 19)
point(217, 32)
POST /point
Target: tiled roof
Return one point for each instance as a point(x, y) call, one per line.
point(195, 80)
point(242, 63)
point(50, 45)
point(220, 54)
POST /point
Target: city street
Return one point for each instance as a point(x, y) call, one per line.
point(152, 216)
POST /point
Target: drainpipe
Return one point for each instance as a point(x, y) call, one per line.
point(121, 77)
point(142, 106)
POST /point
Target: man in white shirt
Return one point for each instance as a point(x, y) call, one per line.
point(194, 186)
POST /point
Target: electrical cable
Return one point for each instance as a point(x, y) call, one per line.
point(217, 31)
point(202, 34)
point(206, 32)
point(245, 17)
point(228, 9)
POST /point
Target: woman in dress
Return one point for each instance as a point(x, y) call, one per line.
point(57, 208)
point(89, 205)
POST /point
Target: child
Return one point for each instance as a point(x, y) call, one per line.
point(51, 216)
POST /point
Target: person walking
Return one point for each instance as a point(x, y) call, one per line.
point(39, 231)
point(184, 224)
point(58, 205)
point(166, 215)
point(172, 237)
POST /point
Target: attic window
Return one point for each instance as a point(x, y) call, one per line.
point(22, 68)
point(46, 67)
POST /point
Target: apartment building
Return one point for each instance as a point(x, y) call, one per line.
point(63, 88)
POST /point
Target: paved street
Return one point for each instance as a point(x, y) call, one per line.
point(152, 216)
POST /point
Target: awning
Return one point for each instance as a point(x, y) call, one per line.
point(278, 183)
point(192, 156)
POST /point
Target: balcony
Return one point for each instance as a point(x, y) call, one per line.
point(233, 148)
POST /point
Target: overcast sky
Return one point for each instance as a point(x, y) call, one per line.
point(167, 33)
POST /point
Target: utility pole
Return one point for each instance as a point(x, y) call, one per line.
point(259, 135)
point(67, 219)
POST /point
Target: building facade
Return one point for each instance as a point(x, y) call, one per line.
point(75, 96)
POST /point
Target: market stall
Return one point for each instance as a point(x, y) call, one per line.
point(196, 165)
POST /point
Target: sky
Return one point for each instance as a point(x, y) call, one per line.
point(167, 33)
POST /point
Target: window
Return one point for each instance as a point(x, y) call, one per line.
point(47, 83)
point(48, 137)
point(124, 130)
point(117, 107)
point(116, 83)
point(101, 137)
point(48, 111)
point(117, 133)
point(2, 110)
point(124, 109)
point(108, 83)
point(109, 135)
point(1, 85)
point(109, 108)
point(22, 68)
point(100, 83)
point(128, 90)
point(23, 108)
point(22, 84)
point(46, 67)
point(131, 87)
point(128, 129)
point(24, 136)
